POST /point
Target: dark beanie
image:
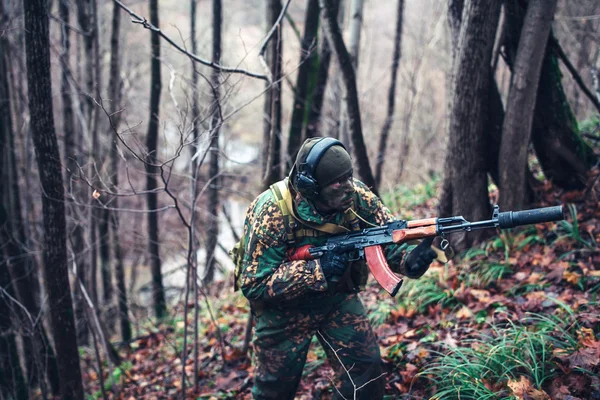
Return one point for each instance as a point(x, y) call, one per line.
point(333, 165)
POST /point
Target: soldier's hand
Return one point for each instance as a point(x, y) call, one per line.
point(419, 260)
point(334, 264)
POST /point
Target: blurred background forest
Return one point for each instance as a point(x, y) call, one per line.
point(155, 123)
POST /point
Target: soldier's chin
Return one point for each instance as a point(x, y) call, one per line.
point(344, 205)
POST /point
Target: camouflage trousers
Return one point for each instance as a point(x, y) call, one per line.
point(283, 337)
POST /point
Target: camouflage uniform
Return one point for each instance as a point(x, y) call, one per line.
point(293, 301)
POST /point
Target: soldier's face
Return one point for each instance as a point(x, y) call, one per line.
point(336, 196)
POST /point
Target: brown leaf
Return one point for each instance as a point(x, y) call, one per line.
point(556, 274)
point(464, 313)
point(523, 390)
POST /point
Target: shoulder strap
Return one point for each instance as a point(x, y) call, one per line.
point(281, 193)
point(284, 200)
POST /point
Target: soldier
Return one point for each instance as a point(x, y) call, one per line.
point(292, 301)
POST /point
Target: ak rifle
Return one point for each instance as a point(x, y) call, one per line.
point(367, 243)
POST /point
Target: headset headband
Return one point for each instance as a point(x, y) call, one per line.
point(315, 154)
point(305, 176)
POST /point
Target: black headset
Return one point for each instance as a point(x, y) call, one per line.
point(304, 180)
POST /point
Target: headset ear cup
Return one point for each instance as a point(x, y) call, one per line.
point(307, 185)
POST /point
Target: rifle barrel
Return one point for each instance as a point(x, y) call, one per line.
point(510, 219)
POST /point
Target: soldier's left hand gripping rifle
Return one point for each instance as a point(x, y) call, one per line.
point(367, 242)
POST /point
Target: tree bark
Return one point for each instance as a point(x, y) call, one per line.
point(337, 44)
point(12, 382)
point(113, 216)
point(212, 232)
point(23, 266)
point(48, 160)
point(273, 170)
point(308, 56)
point(387, 125)
point(455, 10)
point(74, 153)
point(563, 155)
point(356, 23)
point(316, 103)
point(152, 170)
point(518, 120)
point(465, 184)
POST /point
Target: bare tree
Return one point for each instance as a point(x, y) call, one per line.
point(336, 42)
point(49, 166)
point(212, 232)
point(12, 381)
point(465, 162)
point(308, 56)
point(75, 145)
point(564, 156)
point(356, 25)
point(272, 166)
point(389, 119)
point(112, 216)
point(158, 292)
point(316, 104)
point(518, 120)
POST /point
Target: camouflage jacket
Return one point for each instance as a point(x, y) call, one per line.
point(268, 276)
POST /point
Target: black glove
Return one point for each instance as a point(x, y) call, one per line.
point(334, 264)
point(419, 260)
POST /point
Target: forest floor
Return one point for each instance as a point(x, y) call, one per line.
point(547, 271)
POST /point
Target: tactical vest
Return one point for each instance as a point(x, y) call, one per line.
point(356, 275)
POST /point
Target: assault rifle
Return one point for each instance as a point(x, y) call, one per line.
point(367, 242)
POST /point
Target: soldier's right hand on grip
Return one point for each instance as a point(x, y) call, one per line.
point(333, 264)
point(419, 260)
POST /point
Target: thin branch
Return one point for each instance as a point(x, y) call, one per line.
point(69, 26)
point(136, 19)
point(576, 77)
point(356, 389)
point(263, 47)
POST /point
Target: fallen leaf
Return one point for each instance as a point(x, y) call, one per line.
point(464, 313)
point(524, 390)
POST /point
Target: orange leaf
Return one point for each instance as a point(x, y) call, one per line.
point(523, 389)
point(464, 313)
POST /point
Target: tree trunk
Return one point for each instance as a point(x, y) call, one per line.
point(385, 130)
point(212, 233)
point(316, 103)
point(48, 159)
point(518, 120)
point(158, 293)
point(336, 42)
point(12, 382)
point(356, 23)
point(273, 170)
point(23, 267)
point(308, 56)
point(466, 190)
point(74, 153)
point(563, 155)
point(113, 216)
point(455, 10)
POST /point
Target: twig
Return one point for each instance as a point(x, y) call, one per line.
point(263, 47)
point(236, 237)
point(142, 21)
point(356, 389)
